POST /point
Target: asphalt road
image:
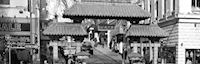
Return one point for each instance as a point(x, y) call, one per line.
point(100, 58)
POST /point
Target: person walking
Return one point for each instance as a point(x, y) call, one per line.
point(102, 42)
point(95, 41)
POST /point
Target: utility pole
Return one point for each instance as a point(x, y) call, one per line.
point(34, 9)
point(124, 42)
point(123, 54)
point(32, 28)
point(38, 29)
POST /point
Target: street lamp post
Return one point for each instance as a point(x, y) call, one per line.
point(8, 37)
point(124, 46)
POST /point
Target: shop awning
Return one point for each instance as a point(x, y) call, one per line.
point(62, 28)
point(146, 31)
point(95, 9)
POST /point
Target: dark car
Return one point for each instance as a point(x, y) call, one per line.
point(86, 46)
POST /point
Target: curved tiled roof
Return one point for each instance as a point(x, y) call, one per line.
point(146, 31)
point(106, 10)
point(65, 29)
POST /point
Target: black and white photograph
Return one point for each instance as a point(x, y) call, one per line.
point(99, 31)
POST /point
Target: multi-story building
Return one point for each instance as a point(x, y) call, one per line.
point(180, 18)
point(15, 21)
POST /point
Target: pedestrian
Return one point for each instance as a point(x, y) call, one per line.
point(95, 41)
point(102, 42)
point(45, 62)
point(1, 61)
point(121, 47)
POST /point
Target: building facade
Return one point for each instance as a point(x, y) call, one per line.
point(180, 18)
point(15, 21)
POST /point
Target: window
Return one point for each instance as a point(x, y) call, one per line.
point(174, 5)
point(169, 53)
point(157, 9)
point(5, 2)
point(195, 5)
point(192, 56)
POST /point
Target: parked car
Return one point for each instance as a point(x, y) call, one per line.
point(86, 46)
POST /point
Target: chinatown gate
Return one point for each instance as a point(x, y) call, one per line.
point(136, 35)
point(93, 10)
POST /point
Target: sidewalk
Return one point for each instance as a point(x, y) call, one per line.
point(109, 53)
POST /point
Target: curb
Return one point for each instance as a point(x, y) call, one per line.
point(108, 56)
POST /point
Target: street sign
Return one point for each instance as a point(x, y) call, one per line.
point(31, 46)
point(22, 45)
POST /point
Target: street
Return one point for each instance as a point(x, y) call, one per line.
point(102, 58)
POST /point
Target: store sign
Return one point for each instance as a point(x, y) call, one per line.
point(8, 20)
point(31, 46)
point(20, 39)
point(7, 26)
point(20, 42)
point(23, 45)
point(10, 27)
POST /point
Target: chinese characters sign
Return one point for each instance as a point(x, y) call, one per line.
point(106, 27)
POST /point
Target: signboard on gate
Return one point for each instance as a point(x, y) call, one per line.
point(70, 50)
point(105, 27)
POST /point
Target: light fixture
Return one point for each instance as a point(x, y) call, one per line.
point(20, 11)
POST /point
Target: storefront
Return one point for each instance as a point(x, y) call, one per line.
point(16, 34)
point(184, 36)
point(192, 56)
